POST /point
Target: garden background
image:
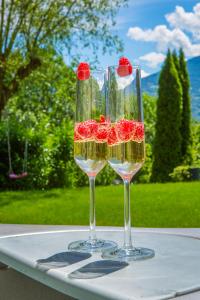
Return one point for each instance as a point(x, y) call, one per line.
point(37, 104)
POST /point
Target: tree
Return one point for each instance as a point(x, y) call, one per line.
point(167, 144)
point(149, 104)
point(196, 140)
point(41, 113)
point(176, 61)
point(186, 109)
point(47, 93)
point(28, 29)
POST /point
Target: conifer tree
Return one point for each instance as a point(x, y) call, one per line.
point(186, 109)
point(167, 144)
point(176, 61)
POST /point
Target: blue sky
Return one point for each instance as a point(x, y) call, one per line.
point(148, 27)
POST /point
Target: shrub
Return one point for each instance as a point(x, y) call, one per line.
point(49, 150)
point(196, 143)
point(106, 176)
point(76, 177)
point(144, 175)
point(181, 173)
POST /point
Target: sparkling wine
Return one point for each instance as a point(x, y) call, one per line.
point(126, 158)
point(90, 143)
point(126, 145)
point(90, 156)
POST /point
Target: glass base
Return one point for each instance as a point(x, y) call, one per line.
point(92, 246)
point(123, 254)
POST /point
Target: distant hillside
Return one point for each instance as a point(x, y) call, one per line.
point(150, 85)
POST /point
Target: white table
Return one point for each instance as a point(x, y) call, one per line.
point(22, 252)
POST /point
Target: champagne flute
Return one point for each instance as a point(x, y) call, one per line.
point(126, 145)
point(90, 147)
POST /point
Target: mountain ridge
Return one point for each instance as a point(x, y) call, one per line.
point(150, 85)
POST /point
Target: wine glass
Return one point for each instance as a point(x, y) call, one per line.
point(126, 145)
point(90, 147)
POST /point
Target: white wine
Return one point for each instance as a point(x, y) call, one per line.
point(90, 156)
point(126, 158)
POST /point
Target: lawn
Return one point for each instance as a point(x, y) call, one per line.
point(153, 205)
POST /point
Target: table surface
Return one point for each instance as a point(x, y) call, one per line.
point(162, 277)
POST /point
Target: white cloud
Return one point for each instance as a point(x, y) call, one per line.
point(188, 21)
point(165, 38)
point(100, 83)
point(144, 74)
point(122, 82)
point(175, 36)
point(153, 59)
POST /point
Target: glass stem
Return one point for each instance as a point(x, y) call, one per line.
point(92, 209)
point(127, 216)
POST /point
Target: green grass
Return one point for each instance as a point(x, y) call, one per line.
point(153, 205)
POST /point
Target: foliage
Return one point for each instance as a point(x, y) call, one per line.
point(47, 95)
point(106, 177)
point(186, 110)
point(77, 178)
point(176, 62)
point(181, 173)
point(48, 153)
point(196, 143)
point(59, 143)
point(41, 112)
point(18, 140)
point(144, 174)
point(167, 145)
point(28, 29)
point(149, 104)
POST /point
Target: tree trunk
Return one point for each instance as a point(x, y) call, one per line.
point(4, 96)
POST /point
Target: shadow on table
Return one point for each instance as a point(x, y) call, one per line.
point(60, 260)
point(3, 266)
point(98, 269)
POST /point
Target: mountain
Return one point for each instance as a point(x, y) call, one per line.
point(150, 85)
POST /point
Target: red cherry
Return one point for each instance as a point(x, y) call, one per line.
point(83, 71)
point(92, 125)
point(124, 61)
point(102, 134)
point(112, 136)
point(82, 131)
point(125, 67)
point(83, 65)
point(123, 71)
point(138, 135)
point(125, 129)
point(102, 119)
point(76, 136)
point(83, 74)
point(87, 129)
